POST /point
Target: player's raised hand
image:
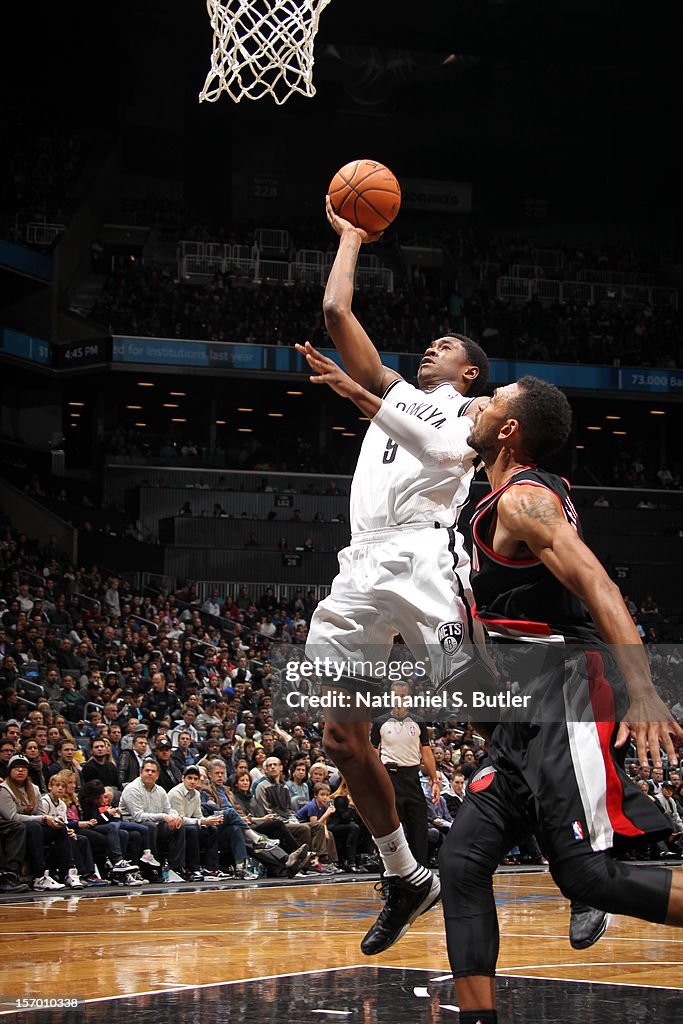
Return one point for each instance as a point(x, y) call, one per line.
point(327, 371)
point(340, 225)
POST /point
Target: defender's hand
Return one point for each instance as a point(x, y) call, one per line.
point(650, 724)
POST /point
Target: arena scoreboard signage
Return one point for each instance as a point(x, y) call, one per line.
point(77, 354)
point(25, 346)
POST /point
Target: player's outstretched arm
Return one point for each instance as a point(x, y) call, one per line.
point(534, 517)
point(445, 447)
point(360, 356)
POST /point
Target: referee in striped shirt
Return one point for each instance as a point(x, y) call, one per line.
point(402, 741)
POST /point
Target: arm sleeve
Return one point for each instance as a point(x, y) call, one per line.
point(447, 446)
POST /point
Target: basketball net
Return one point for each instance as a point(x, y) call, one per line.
point(262, 47)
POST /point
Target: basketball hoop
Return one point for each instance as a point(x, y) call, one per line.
point(262, 47)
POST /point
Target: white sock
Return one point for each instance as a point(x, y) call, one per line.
point(398, 859)
point(250, 834)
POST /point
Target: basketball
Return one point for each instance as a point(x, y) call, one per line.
point(366, 194)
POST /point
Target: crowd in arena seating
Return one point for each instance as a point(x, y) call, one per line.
point(149, 301)
point(39, 171)
point(138, 741)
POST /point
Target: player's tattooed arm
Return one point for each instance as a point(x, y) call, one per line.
point(534, 517)
point(541, 505)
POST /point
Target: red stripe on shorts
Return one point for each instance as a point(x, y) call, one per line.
point(602, 701)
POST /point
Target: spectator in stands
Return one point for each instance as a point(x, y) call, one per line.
point(201, 832)
point(37, 769)
point(186, 724)
point(12, 855)
point(649, 606)
point(184, 752)
point(347, 829)
point(131, 761)
point(170, 772)
point(159, 702)
point(19, 802)
point(319, 811)
point(100, 765)
point(268, 825)
point(115, 737)
point(665, 800)
point(273, 797)
point(143, 801)
point(297, 784)
point(64, 759)
point(234, 830)
point(212, 605)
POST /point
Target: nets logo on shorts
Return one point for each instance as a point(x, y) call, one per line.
point(449, 635)
point(481, 780)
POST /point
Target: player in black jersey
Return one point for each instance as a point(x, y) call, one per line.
point(555, 768)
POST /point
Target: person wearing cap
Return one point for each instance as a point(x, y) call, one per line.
point(208, 717)
point(130, 713)
point(134, 727)
point(20, 802)
point(201, 832)
point(170, 773)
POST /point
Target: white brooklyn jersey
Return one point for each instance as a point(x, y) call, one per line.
point(390, 486)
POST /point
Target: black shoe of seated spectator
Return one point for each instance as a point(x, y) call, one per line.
point(586, 925)
point(403, 903)
point(297, 860)
point(10, 883)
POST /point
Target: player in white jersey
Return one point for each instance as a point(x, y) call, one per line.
point(405, 570)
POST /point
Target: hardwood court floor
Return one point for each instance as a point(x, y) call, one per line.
point(93, 946)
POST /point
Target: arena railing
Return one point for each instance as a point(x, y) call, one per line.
point(38, 233)
point(198, 267)
point(548, 258)
point(283, 591)
point(525, 288)
point(595, 276)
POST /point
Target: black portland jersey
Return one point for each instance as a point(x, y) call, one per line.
point(521, 598)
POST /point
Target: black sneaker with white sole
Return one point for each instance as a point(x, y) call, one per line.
point(297, 860)
point(586, 925)
point(403, 903)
